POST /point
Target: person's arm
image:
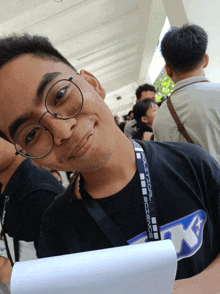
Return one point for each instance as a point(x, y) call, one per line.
point(207, 282)
point(5, 270)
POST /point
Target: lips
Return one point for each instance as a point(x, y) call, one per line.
point(81, 147)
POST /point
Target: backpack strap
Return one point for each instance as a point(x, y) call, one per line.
point(180, 126)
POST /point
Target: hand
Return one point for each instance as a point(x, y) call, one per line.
point(5, 270)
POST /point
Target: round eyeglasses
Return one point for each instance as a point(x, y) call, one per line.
point(64, 100)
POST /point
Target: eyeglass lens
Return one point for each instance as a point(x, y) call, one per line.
point(64, 100)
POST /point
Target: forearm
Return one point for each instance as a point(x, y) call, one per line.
point(5, 270)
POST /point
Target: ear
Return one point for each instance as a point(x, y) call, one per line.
point(144, 119)
point(94, 83)
point(168, 70)
point(206, 61)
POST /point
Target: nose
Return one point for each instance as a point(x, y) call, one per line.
point(61, 129)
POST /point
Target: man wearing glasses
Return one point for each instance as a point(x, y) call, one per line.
point(126, 192)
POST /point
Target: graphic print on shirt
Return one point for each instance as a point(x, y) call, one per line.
point(186, 234)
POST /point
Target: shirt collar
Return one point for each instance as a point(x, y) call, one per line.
point(189, 81)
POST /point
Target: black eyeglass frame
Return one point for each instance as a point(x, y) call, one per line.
point(53, 114)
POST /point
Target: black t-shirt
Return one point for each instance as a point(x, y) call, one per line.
point(31, 190)
point(186, 186)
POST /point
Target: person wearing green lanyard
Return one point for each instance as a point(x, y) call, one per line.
point(58, 118)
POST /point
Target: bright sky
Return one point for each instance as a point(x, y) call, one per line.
point(158, 61)
point(163, 32)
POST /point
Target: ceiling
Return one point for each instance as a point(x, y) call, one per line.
point(105, 37)
point(113, 39)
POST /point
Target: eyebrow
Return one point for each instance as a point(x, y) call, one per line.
point(17, 123)
point(46, 80)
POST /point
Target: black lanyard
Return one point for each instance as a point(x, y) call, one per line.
point(4, 210)
point(106, 224)
point(3, 232)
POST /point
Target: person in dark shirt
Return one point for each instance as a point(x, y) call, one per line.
point(26, 192)
point(60, 120)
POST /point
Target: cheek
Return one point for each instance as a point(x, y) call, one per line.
point(152, 117)
point(155, 113)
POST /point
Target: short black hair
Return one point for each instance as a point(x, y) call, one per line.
point(14, 46)
point(184, 48)
point(144, 87)
point(141, 107)
point(139, 110)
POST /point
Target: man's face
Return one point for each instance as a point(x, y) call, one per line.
point(81, 143)
point(147, 95)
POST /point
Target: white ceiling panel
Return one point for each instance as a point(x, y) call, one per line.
point(106, 37)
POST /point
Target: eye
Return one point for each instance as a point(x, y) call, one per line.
point(59, 95)
point(30, 136)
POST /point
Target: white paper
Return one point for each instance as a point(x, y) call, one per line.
point(142, 268)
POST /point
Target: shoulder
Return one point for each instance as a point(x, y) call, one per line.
point(162, 113)
point(184, 165)
point(36, 178)
point(32, 189)
point(174, 147)
point(198, 91)
point(176, 152)
point(130, 124)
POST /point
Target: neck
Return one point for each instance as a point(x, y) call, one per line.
point(7, 172)
point(116, 173)
point(179, 77)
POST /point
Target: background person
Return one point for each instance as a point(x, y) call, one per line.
point(26, 192)
point(120, 124)
point(130, 116)
point(143, 92)
point(144, 113)
point(195, 99)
